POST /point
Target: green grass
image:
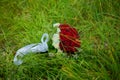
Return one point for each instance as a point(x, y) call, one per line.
point(23, 22)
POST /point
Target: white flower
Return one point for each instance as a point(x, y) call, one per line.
point(56, 37)
point(56, 41)
point(56, 24)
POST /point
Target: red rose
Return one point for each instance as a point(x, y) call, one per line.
point(69, 38)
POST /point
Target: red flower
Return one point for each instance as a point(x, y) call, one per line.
point(69, 38)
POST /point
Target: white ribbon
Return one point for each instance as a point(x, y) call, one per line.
point(32, 48)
